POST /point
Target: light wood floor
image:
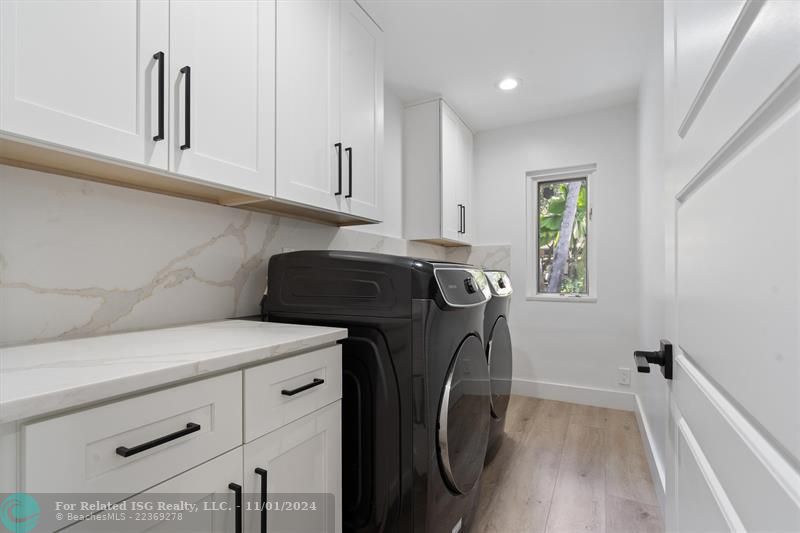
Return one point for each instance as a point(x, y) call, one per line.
point(565, 468)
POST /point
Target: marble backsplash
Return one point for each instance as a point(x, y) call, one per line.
point(79, 258)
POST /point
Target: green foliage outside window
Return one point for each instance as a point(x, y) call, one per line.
point(563, 209)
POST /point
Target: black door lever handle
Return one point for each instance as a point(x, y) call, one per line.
point(663, 358)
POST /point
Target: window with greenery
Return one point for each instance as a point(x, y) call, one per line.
point(562, 236)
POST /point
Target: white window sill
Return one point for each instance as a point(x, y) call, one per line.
point(558, 298)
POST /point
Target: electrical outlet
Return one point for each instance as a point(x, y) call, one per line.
point(624, 375)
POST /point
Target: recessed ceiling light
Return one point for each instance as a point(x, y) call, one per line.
point(508, 84)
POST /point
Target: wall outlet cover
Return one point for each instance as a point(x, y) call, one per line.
point(624, 375)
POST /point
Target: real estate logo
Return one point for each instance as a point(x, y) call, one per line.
point(19, 512)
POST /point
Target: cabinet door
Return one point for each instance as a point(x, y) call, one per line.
point(206, 486)
point(309, 167)
point(362, 110)
point(82, 74)
point(452, 174)
point(465, 188)
point(303, 457)
point(222, 69)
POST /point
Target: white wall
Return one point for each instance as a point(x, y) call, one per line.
point(651, 388)
point(566, 342)
point(392, 225)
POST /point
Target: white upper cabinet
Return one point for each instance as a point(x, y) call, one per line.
point(437, 175)
point(329, 107)
point(83, 75)
point(310, 157)
point(362, 110)
point(273, 105)
point(222, 74)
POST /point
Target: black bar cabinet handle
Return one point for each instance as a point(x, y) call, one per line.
point(460, 218)
point(315, 383)
point(349, 151)
point(159, 56)
point(338, 147)
point(237, 489)
point(463, 219)
point(263, 473)
point(127, 452)
point(187, 117)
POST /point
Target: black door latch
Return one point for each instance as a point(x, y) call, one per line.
point(663, 358)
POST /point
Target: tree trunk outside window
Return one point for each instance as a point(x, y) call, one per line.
point(564, 236)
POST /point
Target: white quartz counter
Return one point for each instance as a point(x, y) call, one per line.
point(42, 378)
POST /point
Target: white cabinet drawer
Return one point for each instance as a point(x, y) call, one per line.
point(280, 392)
point(83, 451)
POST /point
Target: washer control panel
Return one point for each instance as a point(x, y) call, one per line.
point(463, 287)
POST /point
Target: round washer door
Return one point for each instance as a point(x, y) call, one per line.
point(463, 424)
point(498, 354)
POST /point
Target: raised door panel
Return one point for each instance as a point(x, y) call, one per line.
point(362, 109)
point(452, 170)
point(309, 167)
point(223, 59)
point(301, 458)
point(83, 75)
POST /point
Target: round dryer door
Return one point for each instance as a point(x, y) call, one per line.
point(463, 425)
point(498, 354)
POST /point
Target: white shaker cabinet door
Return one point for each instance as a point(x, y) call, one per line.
point(303, 457)
point(453, 171)
point(85, 75)
point(362, 110)
point(466, 181)
point(222, 72)
point(310, 158)
point(211, 487)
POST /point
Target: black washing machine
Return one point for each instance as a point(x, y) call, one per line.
point(416, 391)
point(497, 338)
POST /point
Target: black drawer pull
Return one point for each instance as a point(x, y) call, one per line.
point(316, 382)
point(159, 57)
point(237, 490)
point(127, 452)
point(349, 151)
point(338, 147)
point(187, 117)
point(263, 473)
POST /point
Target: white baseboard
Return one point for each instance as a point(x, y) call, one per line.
point(657, 472)
point(548, 390)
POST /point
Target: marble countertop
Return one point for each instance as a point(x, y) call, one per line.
point(41, 378)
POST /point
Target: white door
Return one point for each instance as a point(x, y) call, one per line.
point(362, 110)
point(303, 457)
point(732, 111)
point(83, 74)
point(222, 72)
point(211, 487)
point(452, 175)
point(311, 160)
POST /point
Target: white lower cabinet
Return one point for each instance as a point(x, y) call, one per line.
point(303, 457)
point(209, 486)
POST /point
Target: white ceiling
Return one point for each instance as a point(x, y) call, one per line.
point(572, 55)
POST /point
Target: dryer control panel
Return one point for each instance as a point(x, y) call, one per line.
point(463, 287)
point(499, 282)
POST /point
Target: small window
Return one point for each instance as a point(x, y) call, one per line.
point(560, 249)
